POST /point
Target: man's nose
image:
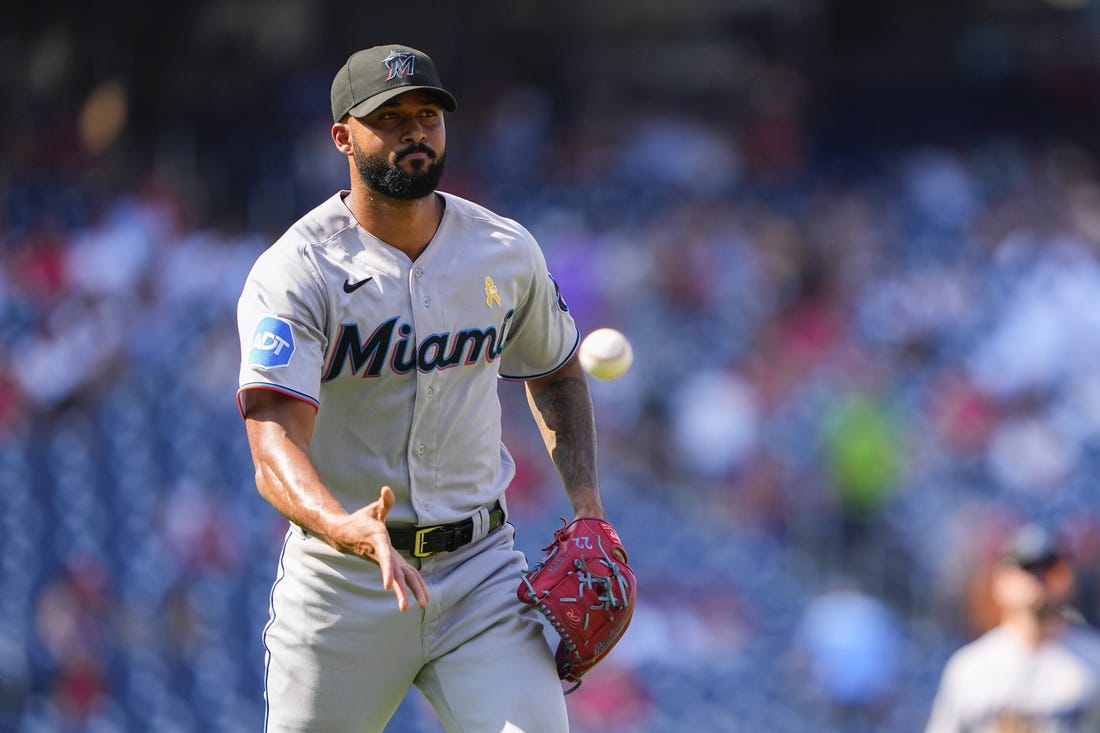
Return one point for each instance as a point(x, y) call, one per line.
point(414, 132)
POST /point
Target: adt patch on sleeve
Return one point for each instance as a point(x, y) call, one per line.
point(272, 343)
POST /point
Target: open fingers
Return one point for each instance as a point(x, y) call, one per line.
point(386, 566)
point(397, 575)
point(404, 580)
point(418, 586)
point(407, 581)
point(401, 591)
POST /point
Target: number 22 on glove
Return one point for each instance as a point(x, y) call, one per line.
point(586, 590)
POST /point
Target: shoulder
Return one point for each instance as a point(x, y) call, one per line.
point(326, 222)
point(478, 216)
point(973, 659)
point(294, 250)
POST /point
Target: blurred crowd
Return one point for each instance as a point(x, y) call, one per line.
point(854, 376)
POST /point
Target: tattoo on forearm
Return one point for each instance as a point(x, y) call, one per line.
point(566, 411)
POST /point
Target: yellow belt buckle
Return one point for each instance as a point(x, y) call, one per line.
point(418, 542)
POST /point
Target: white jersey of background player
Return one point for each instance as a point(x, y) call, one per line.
point(373, 334)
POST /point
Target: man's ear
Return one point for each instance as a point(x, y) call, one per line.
point(1060, 579)
point(341, 136)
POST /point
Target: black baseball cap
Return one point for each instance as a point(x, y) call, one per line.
point(1033, 545)
point(378, 74)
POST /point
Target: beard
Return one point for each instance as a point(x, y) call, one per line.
point(388, 179)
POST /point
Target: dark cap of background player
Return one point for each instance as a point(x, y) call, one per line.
point(376, 75)
point(1033, 546)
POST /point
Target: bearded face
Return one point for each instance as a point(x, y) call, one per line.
point(390, 179)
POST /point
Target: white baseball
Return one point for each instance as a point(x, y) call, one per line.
point(606, 353)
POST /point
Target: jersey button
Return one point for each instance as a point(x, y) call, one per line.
point(431, 391)
point(427, 302)
point(418, 272)
point(421, 449)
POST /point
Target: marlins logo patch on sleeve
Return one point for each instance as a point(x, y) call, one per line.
point(562, 305)
point(272, 343)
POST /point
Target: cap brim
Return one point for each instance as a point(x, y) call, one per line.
point(370, 104)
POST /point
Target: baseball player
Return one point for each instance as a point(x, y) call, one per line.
point(1038, 671)
point(373, 334)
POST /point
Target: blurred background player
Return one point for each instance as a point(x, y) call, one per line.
point(1038, 670)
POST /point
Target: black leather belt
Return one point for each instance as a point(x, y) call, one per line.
point(426, 541)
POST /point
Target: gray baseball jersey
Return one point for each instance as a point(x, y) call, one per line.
point(996, 683)
point(402, 358)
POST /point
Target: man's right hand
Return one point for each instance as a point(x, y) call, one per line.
point(279, 431)
point(363, 533)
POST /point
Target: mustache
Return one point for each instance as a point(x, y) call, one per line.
point(416, 148)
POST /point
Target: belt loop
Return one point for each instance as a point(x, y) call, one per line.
point(481, 524)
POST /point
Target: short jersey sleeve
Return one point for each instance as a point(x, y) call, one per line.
point(543, 336)
point(281, 319)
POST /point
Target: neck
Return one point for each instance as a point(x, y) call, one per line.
point(405, 224)
point(1034, 627)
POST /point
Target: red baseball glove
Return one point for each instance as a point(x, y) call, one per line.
point(585, 588)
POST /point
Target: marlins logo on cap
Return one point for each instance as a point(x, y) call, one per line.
point(400, 64)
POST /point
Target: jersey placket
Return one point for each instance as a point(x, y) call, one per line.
point(423, 433)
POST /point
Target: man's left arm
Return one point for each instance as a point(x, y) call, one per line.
point(562, 406)
point(589, 591)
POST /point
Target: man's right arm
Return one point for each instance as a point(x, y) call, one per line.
point(279, 430)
